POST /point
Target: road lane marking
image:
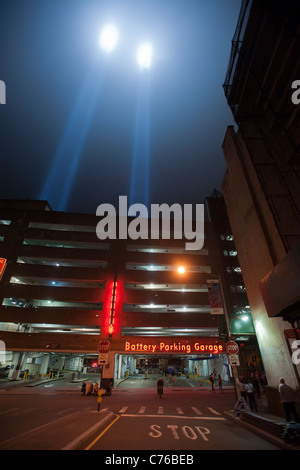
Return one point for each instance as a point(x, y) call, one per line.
point(198, 412)
point(24, 411)
point(142, 409)
point(179, 411)
point(213, 411)
point(101, 434)
point(212, 418)
point(160, 410)
point(7, 411)
point(123, 409)
point(64, 411)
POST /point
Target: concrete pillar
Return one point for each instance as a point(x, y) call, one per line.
point(19, 358)
point(44, 365)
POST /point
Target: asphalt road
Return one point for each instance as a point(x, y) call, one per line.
point(188, 417)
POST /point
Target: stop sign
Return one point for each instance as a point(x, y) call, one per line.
point(232, 347)
point(104, 347)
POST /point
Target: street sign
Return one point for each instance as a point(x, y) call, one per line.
point(232, 347)
point(234, 360)
point(104, 347)
point(102, 358)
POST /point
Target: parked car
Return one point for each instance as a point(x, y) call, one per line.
point(4, 371)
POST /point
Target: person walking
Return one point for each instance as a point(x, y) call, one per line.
point(250, 394)
point(286, 394)
point(212, 380)
point(160, 386)
point(242, 387)
point(220, 382)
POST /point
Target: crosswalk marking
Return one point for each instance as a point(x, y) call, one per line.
point(141, 411)
point(123, 409)
point(179, 411)
point(213, 411)
point(196, 410)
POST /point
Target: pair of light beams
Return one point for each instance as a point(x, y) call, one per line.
point(109, 38)
point(60, 179)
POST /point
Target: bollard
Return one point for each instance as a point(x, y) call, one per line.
point(99, 399)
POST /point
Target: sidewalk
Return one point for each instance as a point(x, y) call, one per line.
point(264, 424)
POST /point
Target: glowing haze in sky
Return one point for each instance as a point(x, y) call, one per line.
point(82, 126)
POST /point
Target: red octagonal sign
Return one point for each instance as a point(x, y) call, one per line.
point(232, 347)
point(104, 347)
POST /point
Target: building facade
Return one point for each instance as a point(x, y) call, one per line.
point(67, 296)
point(225, 261)
point(261, 185)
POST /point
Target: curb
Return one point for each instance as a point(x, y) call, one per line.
point(274, 440)
point(81, 440)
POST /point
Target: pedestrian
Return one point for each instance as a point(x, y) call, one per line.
point(250, 395)
point(286, 394)
point(220, 382)
point(212, 380)
point(256, 386)
point(160, 386)
point(242, 387)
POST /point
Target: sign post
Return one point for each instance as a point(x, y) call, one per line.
point(232, 350)
point(103, 350)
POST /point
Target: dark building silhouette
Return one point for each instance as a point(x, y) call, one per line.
point(261, 185)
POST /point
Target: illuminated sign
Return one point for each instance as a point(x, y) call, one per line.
point(2, 266)
point(194, 346)
point(112, 309)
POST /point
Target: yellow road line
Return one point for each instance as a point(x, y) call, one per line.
point(101, 434)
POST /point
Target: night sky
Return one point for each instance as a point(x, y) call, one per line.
point(171, 119)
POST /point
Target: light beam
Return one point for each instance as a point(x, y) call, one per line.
point(109, 38)
point(145, 55)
